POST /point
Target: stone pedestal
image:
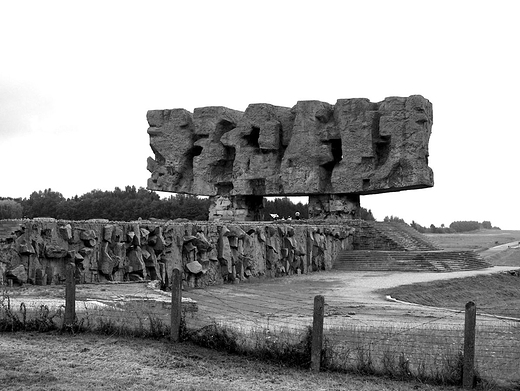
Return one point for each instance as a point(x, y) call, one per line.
point(236, 208)
point(334, 206)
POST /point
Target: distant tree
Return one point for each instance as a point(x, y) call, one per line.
point(69, 210)
point(42, 203)
point(131, 191)
point(393, 219)
point(418, 227)
point(366, 215)
point(487, 225)
point(126, 205)
point(465, 226)
point(118, 205)
point(183, 206)
point(439, 230)
point(10, 209)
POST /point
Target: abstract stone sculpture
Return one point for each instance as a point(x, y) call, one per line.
point(331, 153)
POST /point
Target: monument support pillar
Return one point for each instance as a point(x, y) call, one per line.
point(236, 208)
point(334, 206)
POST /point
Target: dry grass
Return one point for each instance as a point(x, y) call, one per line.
point(30, 361)
point(429, 352)
point(498, 341)
point(507, 257)
point(496, 294)
point(474, 240)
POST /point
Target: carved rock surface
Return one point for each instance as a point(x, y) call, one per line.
point(19, 273)
point(207, 253)
point(353, 147)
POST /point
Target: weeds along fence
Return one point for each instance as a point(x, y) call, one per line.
point(432, 347)
point(429, 347)
point(304, 328)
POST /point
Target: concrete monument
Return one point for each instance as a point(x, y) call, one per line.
point(331, 153)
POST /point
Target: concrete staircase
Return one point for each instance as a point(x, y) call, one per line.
point(409, 261)
point(405, 236)
point(380, 246)
point(373, 235)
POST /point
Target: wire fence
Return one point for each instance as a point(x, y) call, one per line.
point(146, 316)
point(427, 346)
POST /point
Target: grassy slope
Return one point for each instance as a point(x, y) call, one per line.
point(508, 257)
point(32, 361)
point(495, 294)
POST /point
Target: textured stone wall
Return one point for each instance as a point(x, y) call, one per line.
point(315, 148)
point(37, 251)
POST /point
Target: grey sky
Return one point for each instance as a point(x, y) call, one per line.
point(76, 80)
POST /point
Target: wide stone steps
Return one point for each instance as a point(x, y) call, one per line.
point(405, 236)
point(389, 236)
point(412, 261)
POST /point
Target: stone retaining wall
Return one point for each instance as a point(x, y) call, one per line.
point(209, 253)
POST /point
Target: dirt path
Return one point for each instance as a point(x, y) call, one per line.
point(358, 295)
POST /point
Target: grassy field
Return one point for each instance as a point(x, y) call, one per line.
point(51, 361)
point(475, 240)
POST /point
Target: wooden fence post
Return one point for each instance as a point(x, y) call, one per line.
point(317, 332)
point(176, 312)
point(308, 249)
point(70, 295)
point(468, 370)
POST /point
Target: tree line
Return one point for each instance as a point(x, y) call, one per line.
point(130, 204)
point(454, 227)
point(117, 205)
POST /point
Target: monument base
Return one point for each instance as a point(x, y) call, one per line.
point(236, 208)
point(334, 206)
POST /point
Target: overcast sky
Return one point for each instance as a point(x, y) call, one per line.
point(77, 78)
